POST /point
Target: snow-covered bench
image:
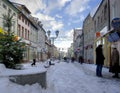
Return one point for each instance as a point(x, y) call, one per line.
point(30, 79)
point(2, 68)
point(25, 76)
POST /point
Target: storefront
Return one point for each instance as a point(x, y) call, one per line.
point(108, 39)
point(102, 38)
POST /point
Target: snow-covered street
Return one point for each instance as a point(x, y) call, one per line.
point(67, 78)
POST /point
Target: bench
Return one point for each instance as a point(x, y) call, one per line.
point(30, 79)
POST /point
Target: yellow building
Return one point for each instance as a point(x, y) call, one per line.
point(106, 48)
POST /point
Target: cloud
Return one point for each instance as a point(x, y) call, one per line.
point(80, 19)
point(36, 5)
point(49, 23)
point(56, 25)
point(58, 16)
point(55, 5)
point(64, 40)
point(63, 2)
point(63, 44)
point(77, 6)
point(70, 33)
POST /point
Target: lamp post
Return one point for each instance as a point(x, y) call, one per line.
point(52, 39)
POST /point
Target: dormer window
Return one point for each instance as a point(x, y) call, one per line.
point(4, 6)
point(10, 11)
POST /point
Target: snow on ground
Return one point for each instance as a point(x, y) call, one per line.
point(64, 78)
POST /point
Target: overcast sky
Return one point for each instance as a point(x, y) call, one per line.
point(62, 15)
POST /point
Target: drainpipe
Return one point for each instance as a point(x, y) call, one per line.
point(83, 43)
point(109, 21)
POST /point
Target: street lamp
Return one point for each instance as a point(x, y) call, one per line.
point(52, 39)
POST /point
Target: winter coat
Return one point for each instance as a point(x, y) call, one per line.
point(99, 56)
point(114, 64)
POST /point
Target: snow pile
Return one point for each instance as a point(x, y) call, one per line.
point(66, 78)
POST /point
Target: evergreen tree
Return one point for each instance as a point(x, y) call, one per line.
point(11, 49)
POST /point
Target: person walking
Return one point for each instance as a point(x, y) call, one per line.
point(80, 59)
point(34, 62)
point(114, 64)
point(99, 60)
point(72, 59)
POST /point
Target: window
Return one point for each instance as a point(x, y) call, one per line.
point(28, 34)
point(26, 22)
point(10, 11)
point(22, 19)
point(95, 25)
point(113, 11)
point(19, 30)
point(19, 17)
point(4, 6)
point(14, 14)
point(98, 21)
point(101, 19)
point(23, 32)
point(0, 2)
point(105, 12)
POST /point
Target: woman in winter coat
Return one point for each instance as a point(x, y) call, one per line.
point(114, 65)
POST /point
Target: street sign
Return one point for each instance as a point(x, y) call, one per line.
point(116, 23)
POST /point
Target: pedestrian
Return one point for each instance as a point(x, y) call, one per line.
point(34, 62)
point(99, 60)
point(114, 64)
point(65, 59)
point(72, 59)
point(80, 59)
point(48, 63)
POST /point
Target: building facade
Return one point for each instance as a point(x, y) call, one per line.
point(114, 13)
point(101, 20)
point(88, 40)
point(27, 28)
point(5, 8)
point(76, 45)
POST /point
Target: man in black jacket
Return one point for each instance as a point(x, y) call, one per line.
point(99, 60)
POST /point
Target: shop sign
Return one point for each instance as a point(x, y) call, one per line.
point(97, 34)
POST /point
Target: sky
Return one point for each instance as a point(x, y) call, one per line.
point(62, 79)
point(62, 15)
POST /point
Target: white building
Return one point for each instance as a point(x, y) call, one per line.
point(76, 43)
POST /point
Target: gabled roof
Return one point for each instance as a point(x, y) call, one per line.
point(21, 6)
